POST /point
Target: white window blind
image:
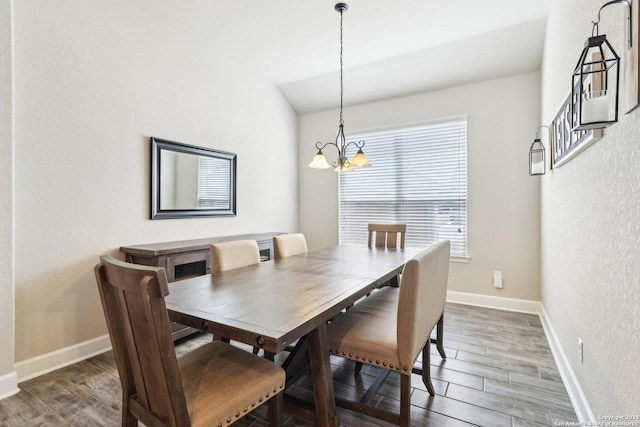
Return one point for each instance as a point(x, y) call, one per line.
point(214, 178)
point(418, 177)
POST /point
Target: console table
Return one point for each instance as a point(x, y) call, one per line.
point(189, 258)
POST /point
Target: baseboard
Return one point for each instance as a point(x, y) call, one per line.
point(48, 362)
point(574, 390)
point(509, 304)
point(9, 384)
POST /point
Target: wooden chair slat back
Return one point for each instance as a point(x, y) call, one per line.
point(133, 303)
point(386, 235)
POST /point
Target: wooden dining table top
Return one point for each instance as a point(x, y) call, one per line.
point(273, 303)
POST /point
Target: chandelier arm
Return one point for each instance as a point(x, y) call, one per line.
point(629, 20)
point(321, 146)
point(358, 144)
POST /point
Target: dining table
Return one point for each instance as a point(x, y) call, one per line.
point(276, 303)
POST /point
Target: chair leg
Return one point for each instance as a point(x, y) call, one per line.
point(358, 367)
point(128, 420)
point(256, 350)
point(440, 337)
point(405, 400)
point(276, 405)
point(426, 369)
point(269, 355)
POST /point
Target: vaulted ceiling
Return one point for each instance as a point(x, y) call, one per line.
point(390, 48)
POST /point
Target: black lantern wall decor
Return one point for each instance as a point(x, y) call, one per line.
point(596, 80)
point(537, 164)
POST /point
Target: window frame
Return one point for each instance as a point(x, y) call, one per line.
point(459, 217)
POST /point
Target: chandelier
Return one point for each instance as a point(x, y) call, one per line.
point(342, 164)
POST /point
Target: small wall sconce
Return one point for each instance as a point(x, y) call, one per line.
point(537, 165)
point(596, 80)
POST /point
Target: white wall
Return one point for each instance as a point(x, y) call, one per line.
point(503, 217)
point(8, 378)
point(93, 81)
point(590, 229)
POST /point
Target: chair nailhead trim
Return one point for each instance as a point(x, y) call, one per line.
point(220, 425)
point(229, 419)
point(253, 404)
point(237, 414)
point(364, 359)
point(246, 408)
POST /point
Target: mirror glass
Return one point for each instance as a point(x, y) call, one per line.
point(191, 181)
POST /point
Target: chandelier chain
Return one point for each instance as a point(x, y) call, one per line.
point(341, 83)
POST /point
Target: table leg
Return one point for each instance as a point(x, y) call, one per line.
point(325, 402)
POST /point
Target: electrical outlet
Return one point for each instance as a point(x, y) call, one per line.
point(580, 350)
point(497, 279)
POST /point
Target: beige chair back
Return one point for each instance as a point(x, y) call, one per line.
point(229, 255)
point(423, 292)
point(386, 235)
point(133, 302)
point(289, 244)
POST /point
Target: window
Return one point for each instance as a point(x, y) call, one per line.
point(213, 183)
point(418, 177)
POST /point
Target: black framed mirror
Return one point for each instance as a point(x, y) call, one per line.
point(189, 181)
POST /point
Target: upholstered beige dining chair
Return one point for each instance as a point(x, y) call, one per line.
point(390, 328)
point(231, 255)
point(386, 235)
point(214, 385)
point(235, 254)
point(289, 244)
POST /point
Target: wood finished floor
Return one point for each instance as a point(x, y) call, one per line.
point(499, 371)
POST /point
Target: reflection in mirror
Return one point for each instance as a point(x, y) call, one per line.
point(191, 181)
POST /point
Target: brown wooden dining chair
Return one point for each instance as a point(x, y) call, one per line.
point(391, 327)
point(214, 385)
point(235, 254)
point(386, 235)
point(289, 244)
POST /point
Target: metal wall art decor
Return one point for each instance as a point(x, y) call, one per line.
point(566, 143)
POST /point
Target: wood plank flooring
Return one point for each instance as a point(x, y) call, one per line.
point(499, 371)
